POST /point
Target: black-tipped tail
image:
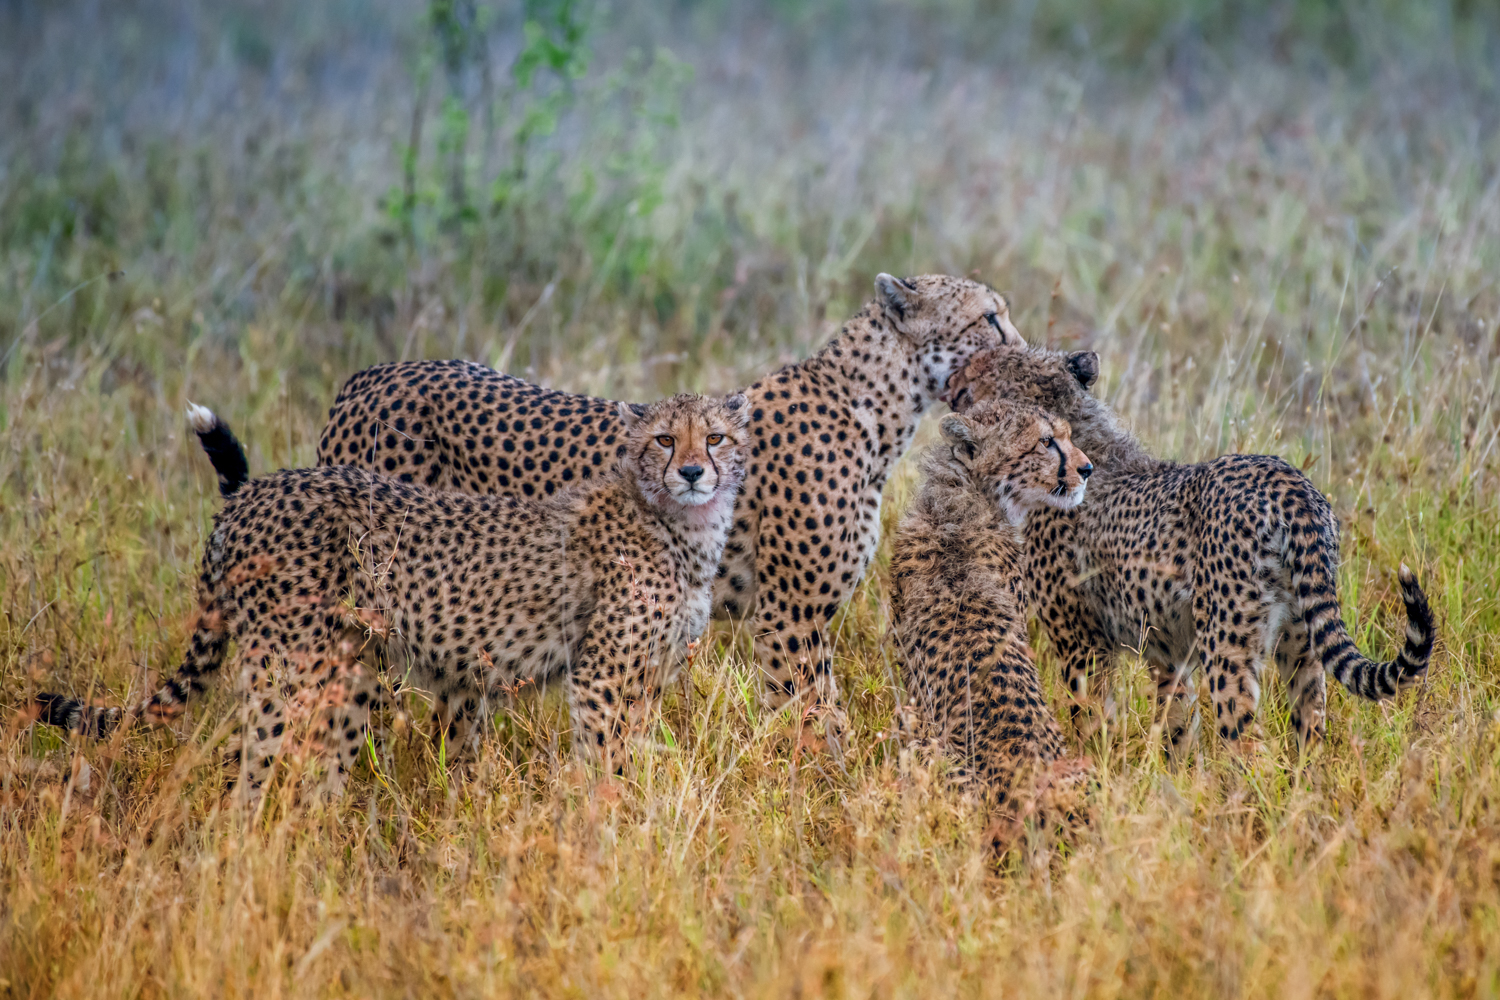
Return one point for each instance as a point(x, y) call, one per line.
point(1370, 678)
point(74, 716)
point(223, 448)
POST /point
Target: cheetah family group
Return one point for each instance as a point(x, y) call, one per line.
point(466, 533)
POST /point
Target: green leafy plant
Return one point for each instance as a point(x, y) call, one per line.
point(438, 187)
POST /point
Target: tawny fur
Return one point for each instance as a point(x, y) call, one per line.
point(322, 577)
point(825, 434)
point(1224, 563)
point(959, 596)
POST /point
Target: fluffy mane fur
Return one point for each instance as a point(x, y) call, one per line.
point(1055, 381)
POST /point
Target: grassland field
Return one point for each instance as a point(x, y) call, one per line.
point(1280, 231)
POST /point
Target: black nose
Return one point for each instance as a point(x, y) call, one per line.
point(692, 473)
point(1086, 470)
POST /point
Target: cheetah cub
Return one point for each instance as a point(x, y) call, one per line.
point(959, 600)
point(1224, 563)
point(312, 572)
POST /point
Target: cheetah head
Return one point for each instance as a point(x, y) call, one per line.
point(945, 320)
point(1059, 381)
point(1020, 454)
point(688, 450)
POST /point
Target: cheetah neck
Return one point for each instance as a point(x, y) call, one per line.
point(965, 521)
point(693, 535)
point(886, 388)
point(967, 506)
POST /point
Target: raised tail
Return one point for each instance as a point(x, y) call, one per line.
point(1334, 648)
point(206, 650)
point(224, 449)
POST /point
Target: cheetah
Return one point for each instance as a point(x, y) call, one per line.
point(1223, 563)
point(824, 436)
point(959, 594)
point(323, 577)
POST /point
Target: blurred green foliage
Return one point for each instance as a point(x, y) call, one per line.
point(1144, 37)
point(349, 162)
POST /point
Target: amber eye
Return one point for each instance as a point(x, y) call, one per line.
point(1045, 444)
point(665, 440)
point(714, 439)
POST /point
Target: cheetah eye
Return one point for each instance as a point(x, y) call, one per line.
point(665, 440)
point(714, 439)
point(1045, 443)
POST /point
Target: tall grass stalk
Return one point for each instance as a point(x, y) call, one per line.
point(1288, 248)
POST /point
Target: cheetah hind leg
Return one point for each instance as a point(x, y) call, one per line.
point(1306, 685)
point(1232, 639)
point(1177, 707)
point(347, 709)
point(460, 716)
point(318, 696)
point(1086, 675)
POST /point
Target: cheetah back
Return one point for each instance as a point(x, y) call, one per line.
point(825, 434)
point(456, 425)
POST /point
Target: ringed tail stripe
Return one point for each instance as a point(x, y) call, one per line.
point(207, 650)
point(1314, 575)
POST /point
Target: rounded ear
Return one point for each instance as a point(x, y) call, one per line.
point(895, 293)
point(739, 406)
point(1085, 367)
point(630, 414)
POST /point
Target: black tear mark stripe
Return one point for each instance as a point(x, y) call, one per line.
point(1062, 465)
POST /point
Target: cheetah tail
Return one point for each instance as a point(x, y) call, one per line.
point(223, 448)
point(72, 714)
point(1336, 650)
point(204, 656)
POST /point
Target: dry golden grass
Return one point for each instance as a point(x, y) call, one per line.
point(1298, 265)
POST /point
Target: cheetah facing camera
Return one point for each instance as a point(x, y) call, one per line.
point(311, 572)
point(824, 435)
point(959, 597)
point(1224, 562)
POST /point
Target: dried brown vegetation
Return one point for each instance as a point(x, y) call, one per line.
point(1268, 255)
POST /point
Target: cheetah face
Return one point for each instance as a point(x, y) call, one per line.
point(946, 320)
point(688, 450)
point(1020, 454)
